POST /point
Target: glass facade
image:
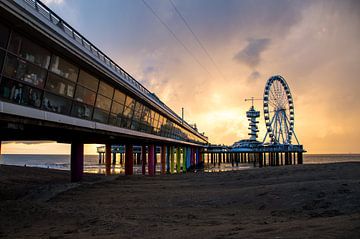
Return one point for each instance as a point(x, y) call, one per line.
point(37, 77)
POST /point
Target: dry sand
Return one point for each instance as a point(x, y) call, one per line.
point(302, 201)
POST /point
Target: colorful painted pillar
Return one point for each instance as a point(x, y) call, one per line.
point(129, 159)
point(178, 157)
point(192, 156)
point(143, 159)
point(197, 159)
point(151, 164)
point(202, 153)
point(188, 158)
point(107, 159)
point(77, 161)
point(172, 159)
point(184, 159)
point(0, 147)
point(162, 159)
point(168, 150)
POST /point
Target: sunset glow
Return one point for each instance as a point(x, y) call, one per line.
point(314, 45)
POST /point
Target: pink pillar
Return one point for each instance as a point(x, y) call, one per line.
point(151, 169)
point(76, 161)
point(143, 159)
point(129, 160)
point(108, 159)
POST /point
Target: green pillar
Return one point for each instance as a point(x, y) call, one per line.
point(184, 159)
point(172, 159)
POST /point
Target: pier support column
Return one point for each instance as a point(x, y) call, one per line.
point(151, 164)
point(184, 160)
point(121, 158)
point(107, 159)
point(178, 166)
point(114, 158)
point(261, 155)
point(143, 159)
point(162, 159)
point(277, 159)
point(77, 161)
point(129, 159)
point(300, 157)
point(197, 161)
point(172, 159)
point(168, 152)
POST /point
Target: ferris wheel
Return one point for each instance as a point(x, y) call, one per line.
point(278, 111)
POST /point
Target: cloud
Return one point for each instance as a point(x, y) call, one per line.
point(254, 75)
point(251, 54)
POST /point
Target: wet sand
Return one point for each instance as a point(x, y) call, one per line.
point(300, 201)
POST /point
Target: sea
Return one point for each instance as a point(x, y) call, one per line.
point(91, 162)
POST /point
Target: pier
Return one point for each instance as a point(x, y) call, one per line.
point(56, 85)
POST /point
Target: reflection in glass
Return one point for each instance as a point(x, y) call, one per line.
point(4, 35)
point(60, 86)
point(20, 93)
point(103, 103)
point(115, 119)
point(119, 97)
point(100, 115)
point(64, 68)
point(106, 90)
point(84, 95)
point(56, 104)
point(2, 56)
point(130, 102)
point(27, 72)
point(117, 108)
point(81, 111)
point(87, 80)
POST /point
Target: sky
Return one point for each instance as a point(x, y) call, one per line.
point(313, 44)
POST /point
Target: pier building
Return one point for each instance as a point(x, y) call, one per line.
point(56, 85)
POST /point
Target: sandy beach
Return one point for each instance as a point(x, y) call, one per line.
point(300, 201)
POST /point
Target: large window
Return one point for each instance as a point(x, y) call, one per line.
point(64, 68)
point(100, 115)
point(19, 69)
point(29, 51)
point(84, 95)
point(116, 113)
point(81, 111)
point(88, 81)
point(4, 35)
point(106, 90)
point(103, 103)
point(119, 97)
point(60, 86)
point(2, 56)
point(56, 104)
point(20, 93)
